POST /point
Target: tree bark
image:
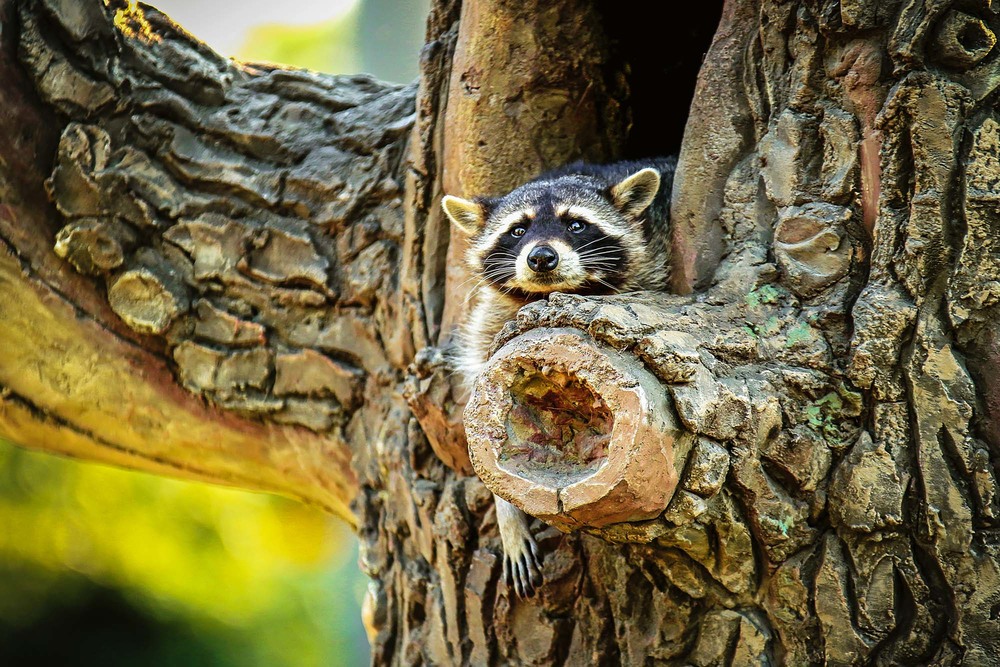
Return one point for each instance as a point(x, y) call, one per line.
point(240, 273)
point(231, 325)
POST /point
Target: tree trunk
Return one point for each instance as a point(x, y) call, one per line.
point(241, 274)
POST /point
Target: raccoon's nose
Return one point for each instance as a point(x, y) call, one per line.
point(543, 259)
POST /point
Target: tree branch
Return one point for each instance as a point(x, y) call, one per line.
point(240, 223)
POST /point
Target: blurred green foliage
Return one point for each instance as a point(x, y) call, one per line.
point(380, 37)
point(100, 566)
point(331, 46)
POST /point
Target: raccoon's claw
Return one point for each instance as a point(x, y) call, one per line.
point(522, 569)
point(522, 566)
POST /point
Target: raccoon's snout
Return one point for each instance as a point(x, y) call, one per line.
point(543, 259)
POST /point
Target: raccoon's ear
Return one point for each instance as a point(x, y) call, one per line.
point(634, 194)
point(467, 215)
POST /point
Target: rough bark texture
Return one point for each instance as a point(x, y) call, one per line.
point(239, 222)
point(239, 273)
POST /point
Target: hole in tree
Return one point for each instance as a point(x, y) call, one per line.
point(973, 37)
point(663, 61)
point(558, 429)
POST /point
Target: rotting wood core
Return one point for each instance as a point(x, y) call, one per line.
point(558, 428)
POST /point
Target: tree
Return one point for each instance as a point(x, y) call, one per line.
point(251, 274)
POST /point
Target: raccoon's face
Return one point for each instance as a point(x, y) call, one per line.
point(567, 234)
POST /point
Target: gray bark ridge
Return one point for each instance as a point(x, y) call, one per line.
point(250, 216)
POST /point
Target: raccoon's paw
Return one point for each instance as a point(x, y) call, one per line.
point(522, 566)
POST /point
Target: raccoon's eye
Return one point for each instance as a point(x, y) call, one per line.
point(518, 231)
point(576, 226)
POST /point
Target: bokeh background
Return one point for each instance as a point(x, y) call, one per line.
point(100, 566)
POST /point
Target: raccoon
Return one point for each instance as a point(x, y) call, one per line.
point(582, 229)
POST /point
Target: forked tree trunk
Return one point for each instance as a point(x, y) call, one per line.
point(240, 273)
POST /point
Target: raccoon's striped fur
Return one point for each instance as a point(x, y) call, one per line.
point(581, 229)
point(622, 248)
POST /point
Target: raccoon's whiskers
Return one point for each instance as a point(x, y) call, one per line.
point(599, 261)
point(485, 278)
point(472, 292)
point(502, 273)
point(605, 259)
point(599, 266)
point(590, 243)
point(597, 252)
point(478, 275)
point(474, 276)
point(608, 285)
point(500, 255)
point(600, 257)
